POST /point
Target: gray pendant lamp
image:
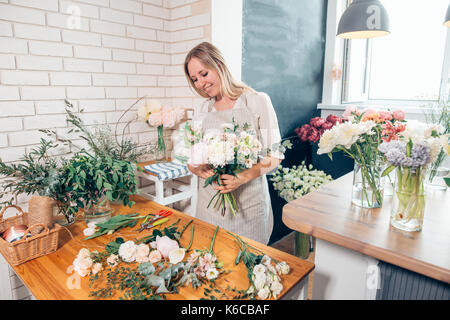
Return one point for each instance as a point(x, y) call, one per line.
point(447, 17)
point(364, 19)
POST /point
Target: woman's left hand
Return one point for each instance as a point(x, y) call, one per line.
point(230, 182)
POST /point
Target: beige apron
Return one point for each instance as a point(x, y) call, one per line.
point(254, 219)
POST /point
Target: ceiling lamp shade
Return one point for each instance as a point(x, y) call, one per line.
point(364, 19)
point(447, 17)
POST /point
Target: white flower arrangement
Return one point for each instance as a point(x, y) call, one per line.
point(266, 280)
point(292, 183)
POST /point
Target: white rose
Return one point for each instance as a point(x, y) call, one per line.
point(259, 269)
point(112, 260)
point(127, 251)
point(84, 253)
point(88, 232)
point(97, 267)
point(176, 255)
point(282, 268)
point(260, 281)
point(276, 288)
point(264, 293)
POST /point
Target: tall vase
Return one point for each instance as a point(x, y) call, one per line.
point(98, 212)
point(438, 171)
point(409, 199)
point(161, 150)
point(367, 191)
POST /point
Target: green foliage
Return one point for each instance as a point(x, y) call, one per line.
point(113, 224)
point(35, 173)
point(103, 142)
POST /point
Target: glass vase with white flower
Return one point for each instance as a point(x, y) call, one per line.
point(359, 136)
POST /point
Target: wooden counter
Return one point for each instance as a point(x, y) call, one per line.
point(47, 277)
point(328, 214)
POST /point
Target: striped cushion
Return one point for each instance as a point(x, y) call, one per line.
point(168, 170)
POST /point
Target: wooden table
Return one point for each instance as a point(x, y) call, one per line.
point(327, 214)
point(46, 277)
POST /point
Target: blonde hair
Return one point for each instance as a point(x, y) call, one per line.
point(212, 58)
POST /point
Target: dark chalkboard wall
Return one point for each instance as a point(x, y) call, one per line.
point(283, 52)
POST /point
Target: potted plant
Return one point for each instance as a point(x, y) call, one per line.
point(90, 182)
point(36, 174)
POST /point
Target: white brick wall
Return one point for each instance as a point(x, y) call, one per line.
point(100, 54)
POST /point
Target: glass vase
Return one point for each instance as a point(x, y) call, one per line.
point(98, 212)
point(438, 171)
point(367, 190)
point(409, 199)
point(161, 150)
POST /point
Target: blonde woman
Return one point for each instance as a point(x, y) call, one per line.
point(208, 74)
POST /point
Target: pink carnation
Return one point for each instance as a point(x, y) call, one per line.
point(399, 115)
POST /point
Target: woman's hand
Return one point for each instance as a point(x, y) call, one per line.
point(203, 171)
point(230, 182)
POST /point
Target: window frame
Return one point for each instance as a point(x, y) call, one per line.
point(336, 56)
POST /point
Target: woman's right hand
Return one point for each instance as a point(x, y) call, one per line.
point(203, 171)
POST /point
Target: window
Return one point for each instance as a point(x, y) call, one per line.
point(410, 64)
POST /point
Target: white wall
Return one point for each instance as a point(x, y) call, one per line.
point(100, 54)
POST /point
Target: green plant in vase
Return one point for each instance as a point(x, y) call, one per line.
point(37, 173)
point(92, 180)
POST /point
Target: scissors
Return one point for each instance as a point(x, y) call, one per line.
point(147, 224)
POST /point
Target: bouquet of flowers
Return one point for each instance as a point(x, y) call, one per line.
point(203, 265)
point(359, 136)
point(264, 277)
point(230, 150)
point(292, 183)
point(156, 115)
point(419, 146)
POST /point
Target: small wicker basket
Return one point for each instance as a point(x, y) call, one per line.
point(27, 248)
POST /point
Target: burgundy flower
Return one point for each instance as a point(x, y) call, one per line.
point(317, 122)
point(334, 119)
point(327, 125)
point(314, 135)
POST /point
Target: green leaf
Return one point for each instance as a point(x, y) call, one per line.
point(388, 170)
point(447, 181)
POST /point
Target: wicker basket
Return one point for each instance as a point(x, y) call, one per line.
point(27, 248)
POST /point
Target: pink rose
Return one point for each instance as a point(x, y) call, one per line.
point(399, 115)
point(155, 119)
point(154, 256)
point(198, 154)
point(165, 245)
point(385, 115)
